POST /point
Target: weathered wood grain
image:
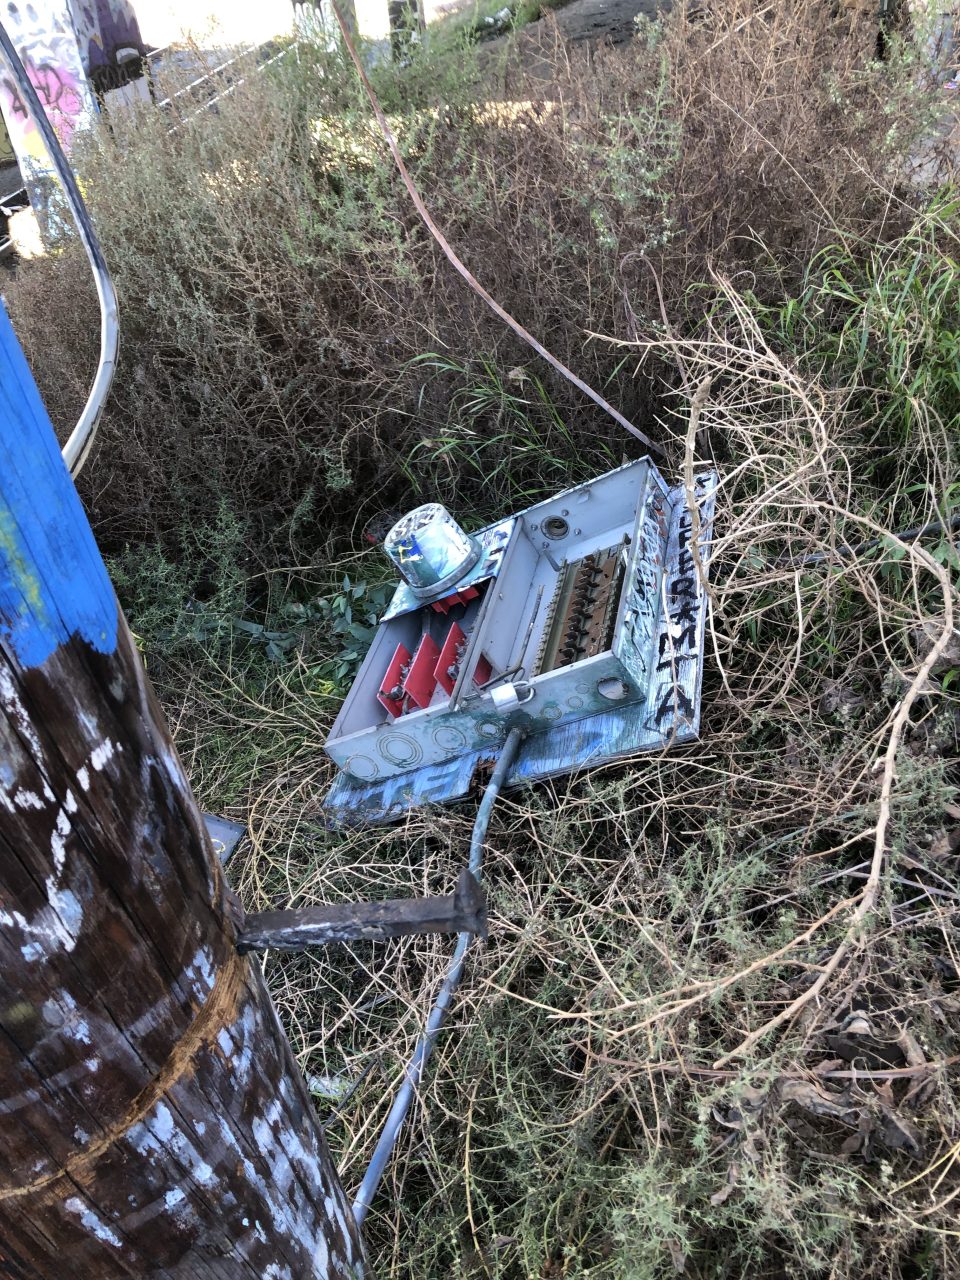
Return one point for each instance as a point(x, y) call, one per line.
point(153, 1121)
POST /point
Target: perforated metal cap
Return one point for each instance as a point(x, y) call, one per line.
point(430, 549)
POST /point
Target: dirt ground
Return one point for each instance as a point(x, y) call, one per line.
point(602, 19)
point(583, 22)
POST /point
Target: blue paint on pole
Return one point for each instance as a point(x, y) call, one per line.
point(53, 583)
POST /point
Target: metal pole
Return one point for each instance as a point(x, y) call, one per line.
point(294, 929)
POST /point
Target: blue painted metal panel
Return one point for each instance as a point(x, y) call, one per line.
point(353, 803)
point(53, 584)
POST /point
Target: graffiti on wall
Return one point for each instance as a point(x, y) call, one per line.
point(111, 47)
point(43, 34)
point(74, 51)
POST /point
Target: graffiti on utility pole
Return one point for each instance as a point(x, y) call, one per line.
point(153, 1119)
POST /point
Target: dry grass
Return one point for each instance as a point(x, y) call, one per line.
point(276, 285)
point(714, 1032)
point(715, 1026)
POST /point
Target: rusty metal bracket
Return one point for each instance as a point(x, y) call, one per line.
point(463, 911)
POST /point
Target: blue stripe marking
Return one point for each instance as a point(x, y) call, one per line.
point(53, 584)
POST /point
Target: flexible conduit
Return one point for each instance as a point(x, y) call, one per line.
point(414, 1070)
point(844, 552)
point(77, 448)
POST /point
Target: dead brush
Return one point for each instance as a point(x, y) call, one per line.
point(787, 127)
point(276, 286)
point(717, 1014)
point(715, 1030)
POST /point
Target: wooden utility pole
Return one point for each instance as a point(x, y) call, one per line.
point(153, 1121)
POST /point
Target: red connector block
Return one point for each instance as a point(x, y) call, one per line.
point(414, 680)
point(421, 681)
point(457, 597)
point(391, 692)
point(450, 657)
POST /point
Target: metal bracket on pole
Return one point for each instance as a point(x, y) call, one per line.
point(463, 911)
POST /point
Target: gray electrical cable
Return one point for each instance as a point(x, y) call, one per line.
point(415, 1067)
point(843, 552)
point(77, 448)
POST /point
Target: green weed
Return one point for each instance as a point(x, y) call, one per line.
point(505, 440)
point(887, 323)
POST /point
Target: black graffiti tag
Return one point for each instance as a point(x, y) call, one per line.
point(676, 643)
point(675, 701)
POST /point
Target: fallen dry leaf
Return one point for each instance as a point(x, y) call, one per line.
point(731, 1120)
point(883, 1123)
point(819, 1102)
point(900, 1134)
point(858, 1024)
point(884, 1090)
point(945, 843)
point(678, 1256)
point(911, 1050)
point(926, 636)
point(726, 1190)
point(829, 1064)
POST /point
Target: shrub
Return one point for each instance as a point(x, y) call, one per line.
point(276, 287)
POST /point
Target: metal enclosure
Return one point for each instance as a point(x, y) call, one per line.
point(580, 620)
